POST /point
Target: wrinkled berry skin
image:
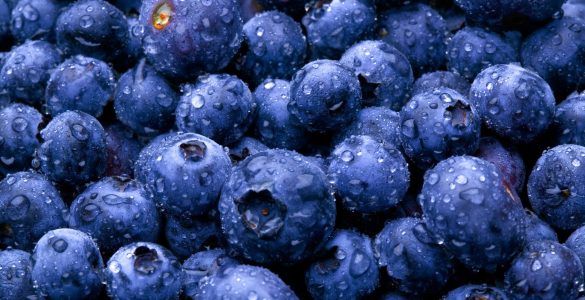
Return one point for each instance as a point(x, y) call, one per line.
point(185, 38)
point(93, 28)
point(277, 208)
point(325, 95)
point(474, 291)
point(145, 101)
point(437, 79)
point(346, 270)
point(275, 47)
point(15, 275)
point(514, 102)
point(412, 259)
point(185, 171)
point(506, 159)
point(186, 236)
point(26, 71)
point(220, 107)
point(203, 264)
point(66, 264)
point(29, 207)
point(568, 126)
point(467, 208)
point(385, 73)
point(544, 270)
point(419, 32)
point(34, 19)
point(554, 187)
point(438, 124)
point(380, 123)
point(115, 211)
point(244, 281)
point(74, 148)
point(368, 176)
point(80, 83)
point(143, 270)
point(541, 49)
point(19, 126)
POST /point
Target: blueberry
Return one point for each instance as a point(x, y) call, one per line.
point(325, 95)
point(380, 123)
point(368, 176)
point(186, 236)
point(143, 270)
point(245, 147)
point(134, 45)
point(80, 83)
point(277, 208)
point(274, 125)
point(554, 187)
point(576, 242)
point(538, 230)
point(203, 264)
point(541, 49)
point(115, 211)
point(469, 211)
point(185, 38)
point(514, 102)
point(18, 137)
point(434, 80)
point(73, 149)
point(5, 13)
point(473, 49)
point(93, 28)
point(122, 150)
point(335, 25)
point(66, 264)
point(568, 126)
point(185, 171)
point(574, 9)
point(274, 47)
point(15, 275)
point(347, 269)
point(474, 291)
point(145, 101)
point(34, 19)
point(545, 270)
point(438, 124)
point(507, 160)
point(26, 71)
point(384, 72)
point(220, 107)
point(245, 282)
point(419, 32)
point(30, 206)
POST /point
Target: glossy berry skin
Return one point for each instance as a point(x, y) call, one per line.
point(15, 275)
point(26, 71)
point(334, 26)
point(514, 102)
point(245, 147)
point(568, 126)
point(473, 49)
point(73, 150)
point(554, 187)
point(185, 171)
point(574, 8)
point(419, 32)
point(93, 28)
point(346, 270)
point(30, 206)
point(145, 101)
point(438, 124)
point(368, 176)
point(541, 49)
point(277, 208)
point(19, 126)
point(244, 281)
point(467, 209)
point(203, 264)
point(538, 230)
point(115, 211)
point(274, 124)
point(134, 49)
point(437, 79)
point(506, 159)
point(220, 107)
point(384, 72)
point(325, 95)
point(274, 47)
point(412, 259)
point(185, 38)
point(186, 236)
point(380, 123)
point(66, 264)
point(474, 291)
point(34, 19)
point(142, 269)
point(80, 83)
point(122, 150)
point(576, 242)
point(544, 270)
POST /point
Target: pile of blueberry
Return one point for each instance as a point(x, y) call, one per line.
point(292, 149)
